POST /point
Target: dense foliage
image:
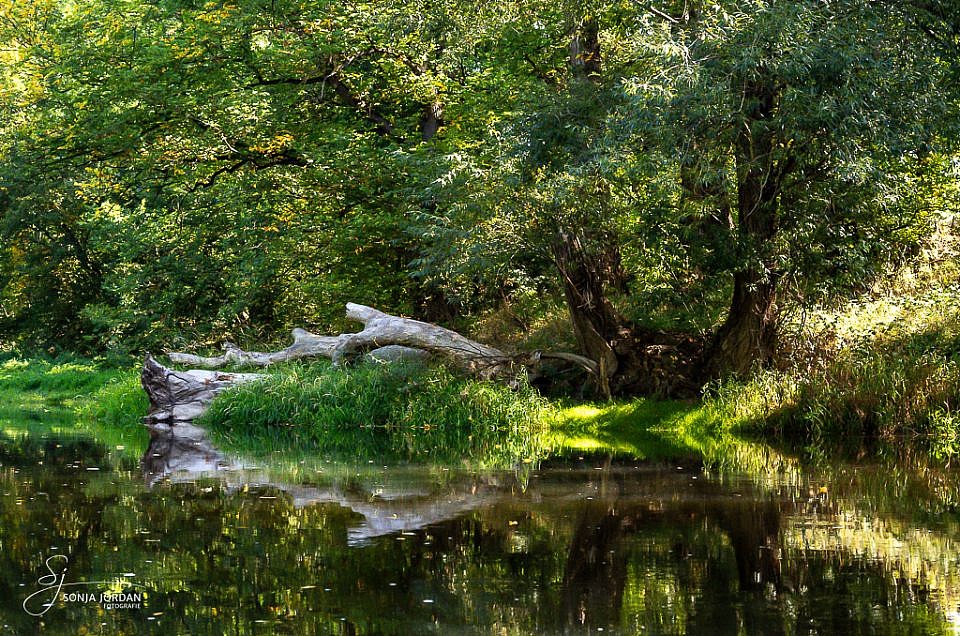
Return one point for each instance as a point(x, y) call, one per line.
point(181, 170)
point(881, 374)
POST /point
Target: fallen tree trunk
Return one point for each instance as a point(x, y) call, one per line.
point(383, 337)
point(305, 345)
point(178, 397)
point(181, 396)
point(381, 329)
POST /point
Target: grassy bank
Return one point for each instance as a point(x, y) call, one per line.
point(884, 368)
point(881, 371)
point(879, 374)
point(383, 412)
point(73, 396)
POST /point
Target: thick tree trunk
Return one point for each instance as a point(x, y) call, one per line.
point(626, 360)
point(596, 324)
point(182, 396)
point(748, 336)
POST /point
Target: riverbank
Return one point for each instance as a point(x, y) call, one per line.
point(881, 374)
point(69, 395)
point(887, 400)
point(881, 371)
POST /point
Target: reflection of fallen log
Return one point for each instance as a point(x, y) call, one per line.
point(181, 450)
point(410, 499)
point(183, 453)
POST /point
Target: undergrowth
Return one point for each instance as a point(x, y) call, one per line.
point(377, 412)
point(884, 367)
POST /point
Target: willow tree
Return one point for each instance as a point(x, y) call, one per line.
point(803, 125)
point(763, 148)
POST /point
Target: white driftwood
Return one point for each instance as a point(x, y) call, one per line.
point(184, 395)
point(305, 345)
point(380, 329)
point(384, 337)
point(177, 397)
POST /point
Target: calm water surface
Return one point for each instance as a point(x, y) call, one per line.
point(584, 544)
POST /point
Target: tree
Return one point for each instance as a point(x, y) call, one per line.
point(190, 170)
point(249, 161)
point(802, 105)
point(764, 149)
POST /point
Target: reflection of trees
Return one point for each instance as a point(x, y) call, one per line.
point(573, 550)
point(595, 575)
point(753, 528)
point(595, 572)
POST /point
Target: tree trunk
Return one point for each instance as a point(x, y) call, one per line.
point(596, 324)
point(588, 260)
point(384, 337)
point(748, 336)
point(431, 120)
point(182, 396)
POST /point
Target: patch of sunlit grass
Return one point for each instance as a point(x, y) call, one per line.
point(395, 412)
point(73, 396)
point(642, 428)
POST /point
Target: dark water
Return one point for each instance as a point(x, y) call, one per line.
point(581, 545)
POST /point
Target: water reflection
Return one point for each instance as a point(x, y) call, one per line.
point(182, 452)
point(579, 545)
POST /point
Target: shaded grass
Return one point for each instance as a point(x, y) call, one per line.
point(395, 412)
point(904, 401)
point(73, 396)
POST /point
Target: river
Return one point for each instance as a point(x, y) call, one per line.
point(96, 541)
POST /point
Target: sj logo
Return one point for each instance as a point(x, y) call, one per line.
point(53, 585)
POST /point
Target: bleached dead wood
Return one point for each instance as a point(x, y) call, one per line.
point(384, 337)
point(182, 396)
point(380, 329)
point(305, 345)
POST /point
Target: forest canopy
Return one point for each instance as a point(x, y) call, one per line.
point(178, 172)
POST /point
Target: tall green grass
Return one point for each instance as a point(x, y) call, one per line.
point(73, 396)
point(376, 412)
point(889, 373)
point(902, 399)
